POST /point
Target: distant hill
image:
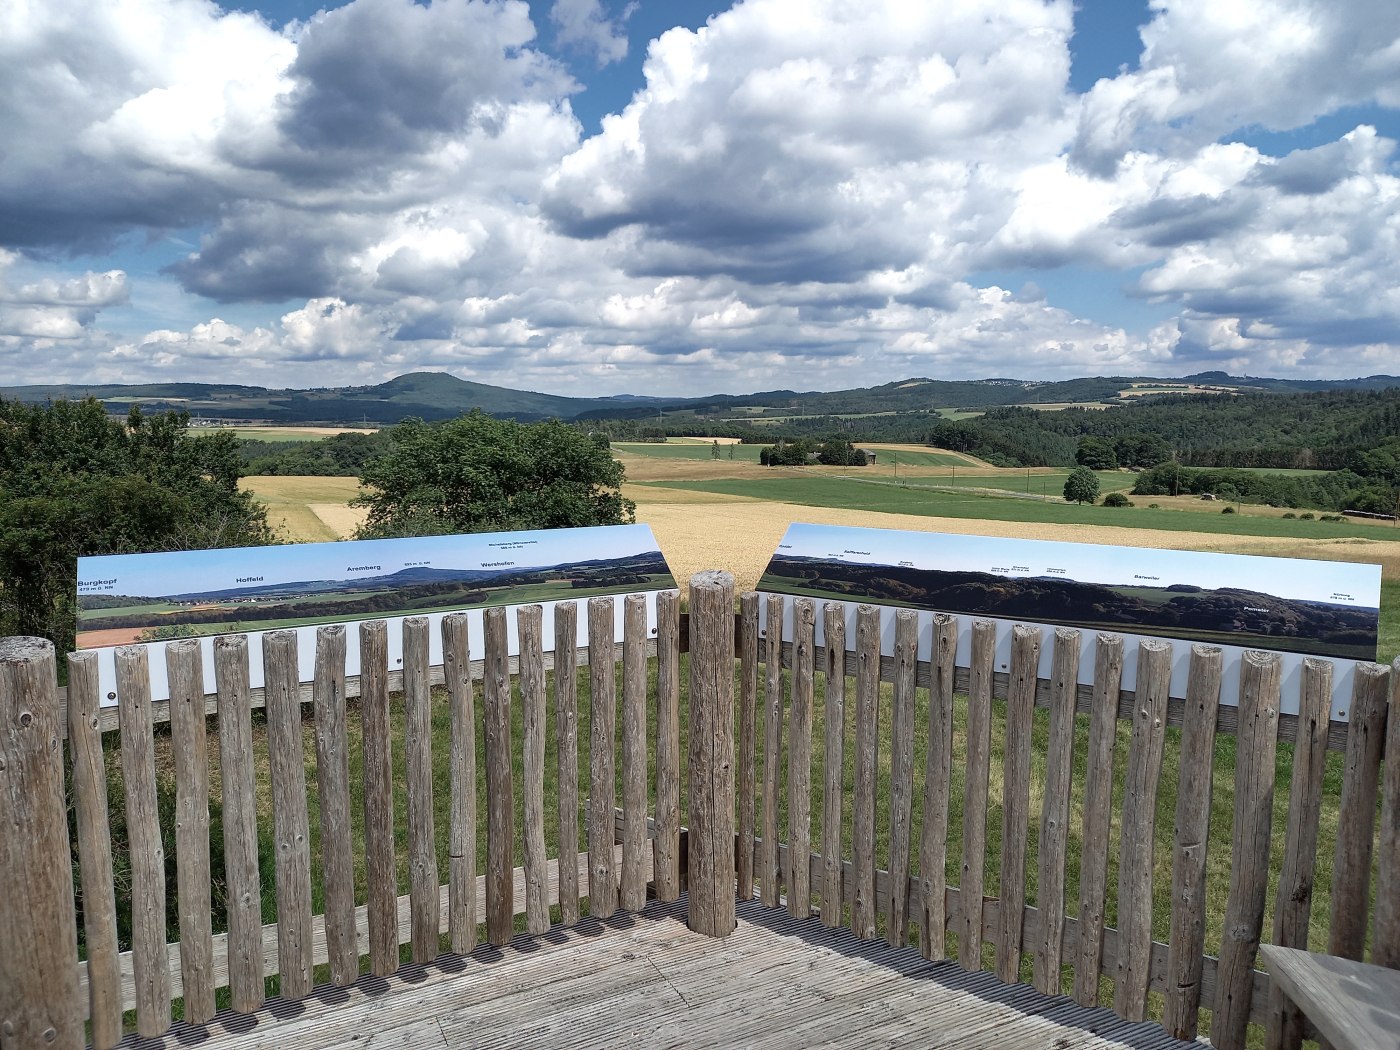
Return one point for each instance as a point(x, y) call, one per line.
point(440, 395)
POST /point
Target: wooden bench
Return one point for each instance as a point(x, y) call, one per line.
point(1354, 1005)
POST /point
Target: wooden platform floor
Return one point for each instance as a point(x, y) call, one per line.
point(647, 981)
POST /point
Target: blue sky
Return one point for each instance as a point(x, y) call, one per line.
point(631, 196)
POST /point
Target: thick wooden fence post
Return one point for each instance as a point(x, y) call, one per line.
point(711, 861)
point(39, 1003)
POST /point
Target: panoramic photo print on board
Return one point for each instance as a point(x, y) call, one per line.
point(149, 597)
point(1315, 607)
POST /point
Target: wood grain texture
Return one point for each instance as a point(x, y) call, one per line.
point(799, 883)
point(1356, 818)
point(1098, 817)
point(666, 846)
point(602, 776)
point(1190, 836)
point(938, 771)
point(40, 1003)
point(418, 768)
point(1048, 950)
point(1016, 796)
point(1353, 1005)
point(529, 621)
point(381, 880)
point(1293, 901)
point(906, 657)
point(148, 890)
point(979, 753)
point(94, 852)
point(747, 741)
point(500, 788)
point(711, 760)
point(291, 825)
point(239, 790)
point(184, 664)
point(333, 795)
point(566, 751)
point(833, 788)
point(863, 901)
point(1385, 942)
point(1144, 773)
point(1249, 841)
point(769, 889)
point(632, 889)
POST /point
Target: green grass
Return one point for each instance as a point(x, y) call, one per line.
point(907, 458)
point(1287, 472)
point(898, 499)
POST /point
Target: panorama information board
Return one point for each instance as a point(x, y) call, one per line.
point(151, 598)
point(1296, 606)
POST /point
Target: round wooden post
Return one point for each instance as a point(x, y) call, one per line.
point(39, 1003)
point(711, 858)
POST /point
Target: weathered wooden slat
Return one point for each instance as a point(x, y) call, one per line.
point(666, 846)
point(938, 769)
point(291, 824)
point(566, 744)
point(1356, 817)
point(602, 777)
point(94, 851)
point(151, 966)
point(461, 832)
point(906, 657)
point(333, 790)
point(710, 865)
point(1145, 749)
point(799, 883)
point(381, 880)
point(833, 789)
point(1098, 817)
point(769, 890)
point(1293, 901)
point(1016, 796)
point(500, 788)
point(40, 1000)
point(1385, 942)
point(1352, 1003)
point(1249, 843)
point(239, 791)
point(979, 755)
point(1054, 812)
point(747, 741)
point(633, 886)
point(184, 663)
point(418, 764)
point(863, 904)
point(1193, 800)
point(529, 620)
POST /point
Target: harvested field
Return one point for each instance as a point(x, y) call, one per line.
point(308, 509)
point(339, 518)
point(294, 433)
point(699, 531)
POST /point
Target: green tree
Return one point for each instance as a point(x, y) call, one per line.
point(1082, 486)
point(75, 482)
point(1096, 454)
point(480, 474)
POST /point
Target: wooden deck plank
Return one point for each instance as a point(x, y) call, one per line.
point(647, 980)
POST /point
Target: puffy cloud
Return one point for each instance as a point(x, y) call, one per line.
point(796, 195)
point(584, 25)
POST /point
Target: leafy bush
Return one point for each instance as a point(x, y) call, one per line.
point(1290, 514)
point(1117, 499)
point(1227, 510)
point(1306, 517)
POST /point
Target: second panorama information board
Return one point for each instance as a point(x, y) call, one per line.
point(1319, 608)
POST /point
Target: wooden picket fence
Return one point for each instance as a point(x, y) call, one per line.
point(1068, 947)
point(748, 815)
